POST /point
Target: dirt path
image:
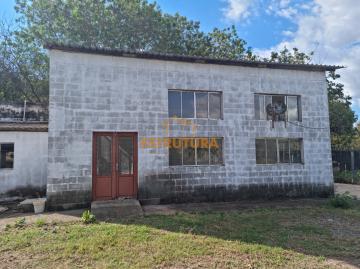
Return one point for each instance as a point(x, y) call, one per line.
point(48, 217)
point(353, 189)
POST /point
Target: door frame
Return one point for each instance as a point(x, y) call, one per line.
point(114, 159)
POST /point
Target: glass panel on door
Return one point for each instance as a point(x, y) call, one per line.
point(103, 157)
point(126, 156)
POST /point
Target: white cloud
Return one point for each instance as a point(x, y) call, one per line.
point(288, 33)
point(289, 9)
point(330, 28)
point(237, 10)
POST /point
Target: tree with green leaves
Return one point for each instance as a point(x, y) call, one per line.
point(288, 56)
point(23, 68)
point(123, 24)
point(342, 117)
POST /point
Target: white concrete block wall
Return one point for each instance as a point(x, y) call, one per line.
point(106, 93)
point(29, 174)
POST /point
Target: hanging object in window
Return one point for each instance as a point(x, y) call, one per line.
point(275, 110)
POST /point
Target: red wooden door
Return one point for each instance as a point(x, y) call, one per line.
point(114, 165)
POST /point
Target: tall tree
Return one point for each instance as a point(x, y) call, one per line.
point(23, 68)
point(123, 24)
point(342, 117)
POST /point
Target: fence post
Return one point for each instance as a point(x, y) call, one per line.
point(24, 114)
point(352, 166)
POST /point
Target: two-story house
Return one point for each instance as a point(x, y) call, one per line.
point(170, 128)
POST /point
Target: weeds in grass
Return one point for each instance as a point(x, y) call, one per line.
point(344, 201)
point(87, 217)
point(19, 223)
point(261, 238)
point(40, 222)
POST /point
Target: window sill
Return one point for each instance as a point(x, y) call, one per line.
point(294, 121)
point(278, 164)
point(176, 118)
point(198, 165)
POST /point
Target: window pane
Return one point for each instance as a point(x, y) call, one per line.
point(174, 104)
point(284, 150)
point(175, 156)
point(215, 105)
point(260, 151)
point(271, 151)
point(187, 104)
point(292, 108)
point(260, 113)
point(103, 158)
point(175, 151)
point(201, 105)
point(216, 150)
point(7, 156)
point(257, 106)
point(126, 158)
point(189, 151)
point(202, 150)
point(268, 101)
point(295, 150)
point(279, 100)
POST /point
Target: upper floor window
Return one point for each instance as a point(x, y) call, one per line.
point(278, 150)
point(195, 104)
point(292, 102)
point(7, 155)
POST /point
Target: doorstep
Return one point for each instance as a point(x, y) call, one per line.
point(113, 209)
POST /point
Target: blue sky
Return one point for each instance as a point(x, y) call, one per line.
point(261, 31)
point(327, 27)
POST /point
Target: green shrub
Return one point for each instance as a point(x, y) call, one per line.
point(87, 217)
point(344, 200)
point(347, 177)
point(19, 223)
point(40, 222)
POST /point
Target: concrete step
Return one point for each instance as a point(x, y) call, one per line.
point(114, 209)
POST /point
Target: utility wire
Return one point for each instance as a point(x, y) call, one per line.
point(307, 127)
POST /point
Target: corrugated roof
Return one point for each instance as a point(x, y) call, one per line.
point(189, 59)
point(19, 126)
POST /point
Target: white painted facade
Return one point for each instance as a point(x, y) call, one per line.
point(29, 172)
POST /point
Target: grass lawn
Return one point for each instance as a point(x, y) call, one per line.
point(315, 237)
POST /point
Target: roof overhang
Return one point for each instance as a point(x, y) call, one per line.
point(19, 126)
point(190, 59)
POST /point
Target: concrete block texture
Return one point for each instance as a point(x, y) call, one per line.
point(90, 93)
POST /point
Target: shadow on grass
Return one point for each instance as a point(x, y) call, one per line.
point(317, 231)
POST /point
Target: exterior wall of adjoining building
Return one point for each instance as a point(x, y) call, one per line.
point(28, 176)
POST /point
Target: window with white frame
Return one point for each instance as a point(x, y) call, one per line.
point(6, 155)
point(279, 150)
point(195, 104)
point(195, 151)
point(292, 102)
